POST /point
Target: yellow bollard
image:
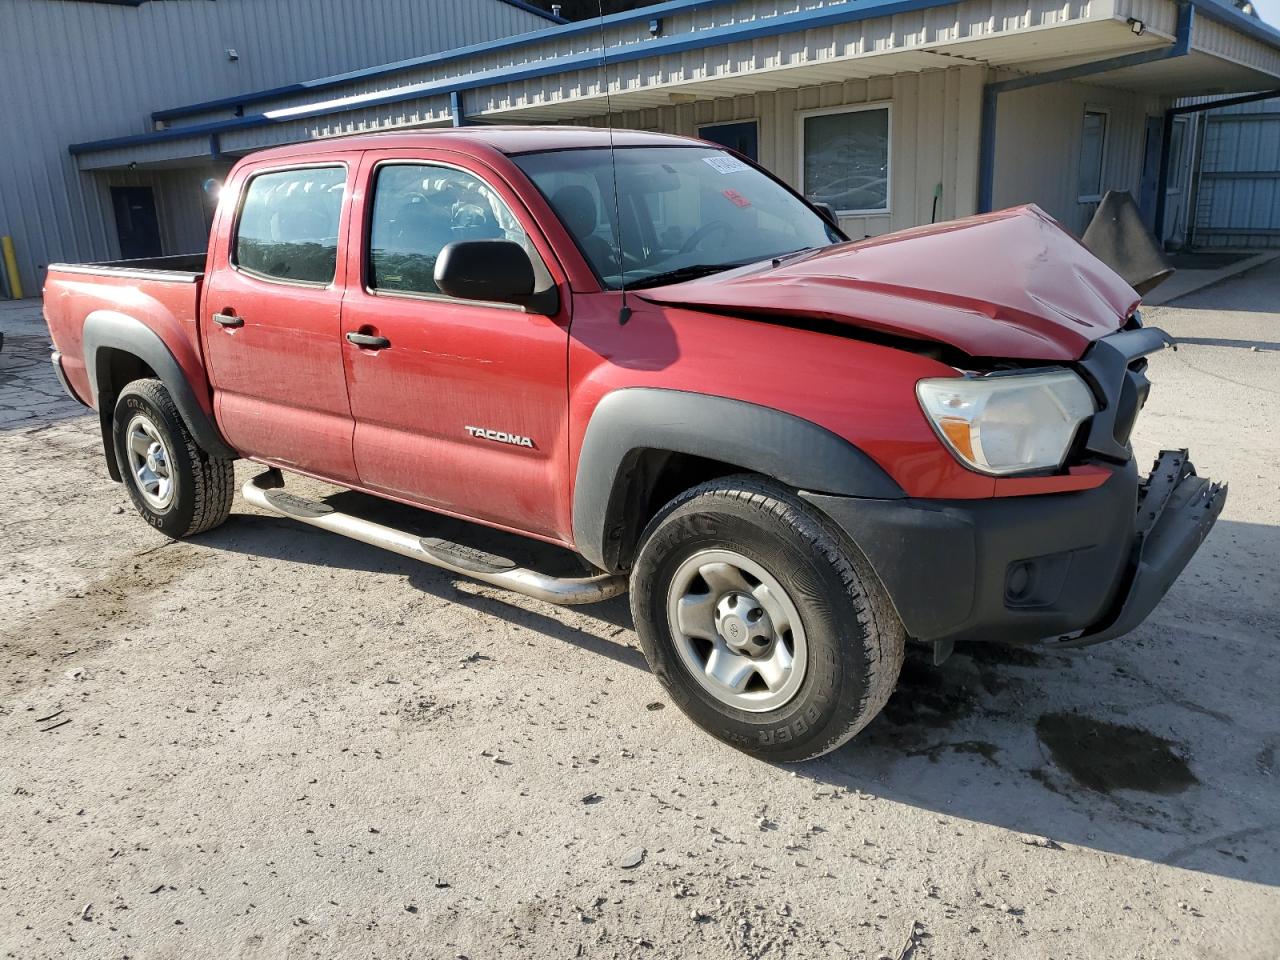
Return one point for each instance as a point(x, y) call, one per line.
point(11, 267)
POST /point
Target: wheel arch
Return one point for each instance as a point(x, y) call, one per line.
point(644, 445)
point(119, 349)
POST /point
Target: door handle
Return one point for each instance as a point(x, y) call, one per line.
point(228, 320)
point(368, 340)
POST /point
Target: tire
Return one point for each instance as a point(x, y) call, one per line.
point(845, 655)
point(153, 446)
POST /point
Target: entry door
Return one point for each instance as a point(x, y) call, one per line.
point(272, 324)
point(459, 406)
point(741, 135)
point(137, 226)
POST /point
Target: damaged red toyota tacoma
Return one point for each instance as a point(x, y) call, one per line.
point(799, 453)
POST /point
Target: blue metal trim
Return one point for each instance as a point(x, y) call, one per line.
point(579, 28)
point(1180, 47)
point(530, 8)
point(679, 43)
point(455, 109)
point(1231, 16)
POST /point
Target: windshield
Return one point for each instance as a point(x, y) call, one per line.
point(684, 211)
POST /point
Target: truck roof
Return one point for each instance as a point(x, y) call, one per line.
point(503, 139)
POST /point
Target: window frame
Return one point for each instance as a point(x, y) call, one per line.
point(1105, 113)
point(366, 241)
point(887, 107)
point(232, 249)
point(1179, 132)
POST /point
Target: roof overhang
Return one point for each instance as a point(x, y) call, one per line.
point(720, 49)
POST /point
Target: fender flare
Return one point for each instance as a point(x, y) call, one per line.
point(108, 329)
point(794, 451)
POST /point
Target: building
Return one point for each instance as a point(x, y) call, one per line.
point(896, 112)
point(77, 70)
point(1224, 178)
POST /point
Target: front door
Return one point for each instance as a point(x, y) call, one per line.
point(273, 320)
point(458, 405)
point(137, 226)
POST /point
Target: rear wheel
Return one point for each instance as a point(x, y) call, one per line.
point(175, 485)
point(763, 625)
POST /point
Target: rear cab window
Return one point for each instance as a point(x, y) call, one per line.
point(288, 225)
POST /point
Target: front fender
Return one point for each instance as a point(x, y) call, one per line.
point(105, 330)
point(794, 451)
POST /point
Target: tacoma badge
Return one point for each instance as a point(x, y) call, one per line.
point(499, 436)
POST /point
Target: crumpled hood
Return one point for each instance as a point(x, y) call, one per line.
point(1011, 284)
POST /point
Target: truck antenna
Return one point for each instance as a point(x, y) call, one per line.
point(625, 313)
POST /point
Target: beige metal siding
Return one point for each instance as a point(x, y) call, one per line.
point(933, 136)
point(80, 71)
point(1038, 146)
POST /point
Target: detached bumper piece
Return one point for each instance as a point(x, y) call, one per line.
point(1176, 511)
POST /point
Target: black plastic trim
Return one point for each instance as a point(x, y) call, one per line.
point(1106, 366)
point(945, 563)
point(797, 452)
point(108, 330)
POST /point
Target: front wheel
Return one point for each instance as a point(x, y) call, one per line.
point(176, 486)
point(766, 629)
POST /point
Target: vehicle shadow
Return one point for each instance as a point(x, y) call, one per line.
point(1161, 746)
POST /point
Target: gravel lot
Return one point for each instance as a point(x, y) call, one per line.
point(271, 742)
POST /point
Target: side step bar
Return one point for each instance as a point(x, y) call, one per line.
point(265, 491)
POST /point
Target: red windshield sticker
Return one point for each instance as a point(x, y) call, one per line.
point(737, 199)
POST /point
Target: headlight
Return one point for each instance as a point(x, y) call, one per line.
point(1008, 423)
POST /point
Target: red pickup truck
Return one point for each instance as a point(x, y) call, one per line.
point(798, 452)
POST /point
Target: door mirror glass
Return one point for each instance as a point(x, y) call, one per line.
point(498, 271)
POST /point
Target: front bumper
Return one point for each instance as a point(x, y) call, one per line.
point(1078, 567)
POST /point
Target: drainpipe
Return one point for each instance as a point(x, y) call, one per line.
point(1169, 116)
point(991, 92)
point(455, 109)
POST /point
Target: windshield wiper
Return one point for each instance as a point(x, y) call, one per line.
point(680, 274)
point(791, 253)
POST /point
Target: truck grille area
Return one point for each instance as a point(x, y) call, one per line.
point(1116, 368)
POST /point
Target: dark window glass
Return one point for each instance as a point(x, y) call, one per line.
point(846, 159)
point(1093, 144)
point(417, 210)
point(289, 224)
point(686, 209)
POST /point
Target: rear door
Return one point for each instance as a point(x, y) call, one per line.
point(460, 406)
point(273, 327)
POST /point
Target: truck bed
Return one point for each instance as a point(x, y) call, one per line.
point(183, 267)
point(162, 294)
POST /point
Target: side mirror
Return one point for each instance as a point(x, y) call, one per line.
point(827, 214)
point(499, 271)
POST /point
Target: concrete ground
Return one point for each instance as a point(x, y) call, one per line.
point(270, 742)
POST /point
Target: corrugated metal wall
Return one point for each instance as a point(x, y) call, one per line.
point(1238, 199)
point(1038, 146)
point(933, 136)
point(77, 71)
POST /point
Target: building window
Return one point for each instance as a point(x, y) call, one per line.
point(417, 210)
point(1093, 149)
point(289, 224)
point(845, 158)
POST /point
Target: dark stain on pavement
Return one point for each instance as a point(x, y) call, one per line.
point(1107, 756)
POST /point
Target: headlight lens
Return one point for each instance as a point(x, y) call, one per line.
point(1008, 423)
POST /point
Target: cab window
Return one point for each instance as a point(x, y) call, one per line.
point(418, 209)
point(289, 224)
